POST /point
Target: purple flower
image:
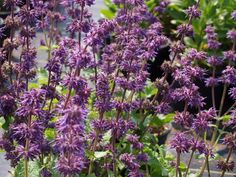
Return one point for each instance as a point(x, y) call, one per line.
point(136, 173)
point(185, 29)
point(180, 142)
point(184, 119)
point(214, 61)
point(7, 105)
point(200, 125)
point(202, 121)
point(177, 47)
point(197, 145)
point(230, 140)
point(232, 35)
point(31, 153)
point(120, 127)
point(71, 165)
point(194, 54)
point(129, 2)
point(101, 125)
point(163, 108)
point(212, 38)
point(229, 75)
point(233, 15)
point(79, 59)
point(143, 157)
point(45, 172)
point(103, 102)
point(162, 6)
point(31, 103)
point(22, 131)
point(188, 94)
point(2, 30)
point(130, 161)
point(27, 16)
point(225, 166)
point(193, 11)
point(212, 82)
point(78, 83)
point(232, 92)
point(11, 3)
point(70, 140)
point(230, 55)
point(232, 121)
point(134, 140)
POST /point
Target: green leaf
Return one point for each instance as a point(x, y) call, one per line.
point(50, 133)
point(34, 169)
point(110, 174)
point(8, 121)
point(89, 154)
point(100, 154)
point(33, 85)
point(189, 42)
point(225, 118)
point(55, 47)
point(182, 166)
point(1, 121)
point(91, 175)
point(43, 47)
point(107, 14)
point(106, 137)
point(120, 165)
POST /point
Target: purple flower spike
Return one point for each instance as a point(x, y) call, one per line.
point(193, 11)
point(212, 38)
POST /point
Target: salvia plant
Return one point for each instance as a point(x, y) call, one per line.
point(92, 110)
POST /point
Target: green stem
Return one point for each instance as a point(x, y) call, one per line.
point(93, 149)
point(227, 160)
point(178, 172)
point(26, 168)
point(213, 89)
point(189, 162)
point(219, 114)
point(208, 166)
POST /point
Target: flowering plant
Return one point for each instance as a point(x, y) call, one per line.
point(91, 111)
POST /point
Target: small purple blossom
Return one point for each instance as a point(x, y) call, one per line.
point(230, 55)
point(232, 35)
point(193, 11)
point(233, 14)
point(214, 61)
point(162, 6)
point(229, 75)
point(134, 140)
point(130, 161)
point(212, 38)
point(180, 143)
point(212, 82)
point(184, 119)
point(232, 92)
point(230, 140)
point(225, 166)
point(185, 29)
